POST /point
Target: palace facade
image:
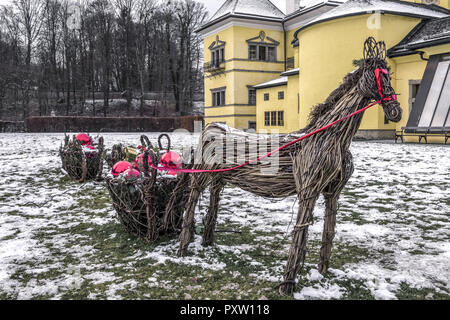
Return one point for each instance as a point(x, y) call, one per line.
point(266, 70)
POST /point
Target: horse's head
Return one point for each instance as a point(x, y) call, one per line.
point(375, 82)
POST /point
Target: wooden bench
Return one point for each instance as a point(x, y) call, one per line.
point(422, 134)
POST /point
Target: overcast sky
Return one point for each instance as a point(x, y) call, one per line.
point(211, 5)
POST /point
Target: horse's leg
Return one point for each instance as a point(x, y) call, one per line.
point(331, 194)
point(328, 233)
point(298, 249)
point(217, 187)
point(198, 185)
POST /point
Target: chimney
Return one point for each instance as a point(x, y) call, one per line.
point(292, 6)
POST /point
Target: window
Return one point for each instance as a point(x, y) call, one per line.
point(252, 125)
point(217, 56)
point(281, 118)
point(274, 119)
point(217, 49)
point(290, 63)
point(281, 95)
point(414, 86)
point(266, 97)
point(252, 52)
point(252, 97)
point(262, 48)
point(272, 54)
point(262, 53)
point(218, 98)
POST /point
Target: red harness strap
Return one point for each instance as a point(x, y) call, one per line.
point(378, 73)
point(383, 99)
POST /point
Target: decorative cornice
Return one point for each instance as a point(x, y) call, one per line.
point(217, 44)
point(233, 21)
point(244, 70)
point(230, 116)
point(261, 39)
point(231, 105)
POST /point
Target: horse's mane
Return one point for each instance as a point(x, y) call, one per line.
point(320, 110)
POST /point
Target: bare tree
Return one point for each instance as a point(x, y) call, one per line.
point(189, 16)
point(103, 19)
point(126, 44)
point(145, 10)
point(121, 45)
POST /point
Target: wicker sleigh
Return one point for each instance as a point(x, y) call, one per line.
point(78, 164)
point(141, 203)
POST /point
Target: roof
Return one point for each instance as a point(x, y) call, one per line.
point(362, 7)
point(308, 5)
point(273, 83)
point(426, 34)
point(263, 8)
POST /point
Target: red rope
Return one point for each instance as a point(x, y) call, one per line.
point(383, 99)
point(270, 153)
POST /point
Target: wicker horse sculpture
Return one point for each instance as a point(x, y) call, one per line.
point(321, 164)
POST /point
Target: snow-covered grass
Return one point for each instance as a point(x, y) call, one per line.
point(61, 240)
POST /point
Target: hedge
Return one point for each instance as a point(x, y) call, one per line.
point(12, 126)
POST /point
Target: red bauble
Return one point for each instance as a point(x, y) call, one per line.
point(172, 160)
point(84, 139)
point(131, 173)
point(120, 167)
point(139, 162)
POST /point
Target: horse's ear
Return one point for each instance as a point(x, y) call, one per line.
point(382, 51)
point(370, 48)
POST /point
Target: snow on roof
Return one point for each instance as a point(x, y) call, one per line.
point(273, 83)
point(306, 6)
point(310, 3)
point(263, 8)
point(431, 30)
point(355, 7)
point(291, 72)
point(424, 34)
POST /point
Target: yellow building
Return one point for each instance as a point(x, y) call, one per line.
point(266, 70)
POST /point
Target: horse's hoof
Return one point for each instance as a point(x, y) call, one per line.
point(287, 289)
point(323, 269)
point(207, 243)
point(182, 253)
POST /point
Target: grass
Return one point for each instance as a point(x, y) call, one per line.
point(115, 249)
point(77, 249)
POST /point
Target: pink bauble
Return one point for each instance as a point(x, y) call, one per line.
point(120, 167)
point(84, 139)
point(139, 162)
point(172, 160)
point(131, 173)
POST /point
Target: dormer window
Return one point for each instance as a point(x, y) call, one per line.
point(262, 48)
